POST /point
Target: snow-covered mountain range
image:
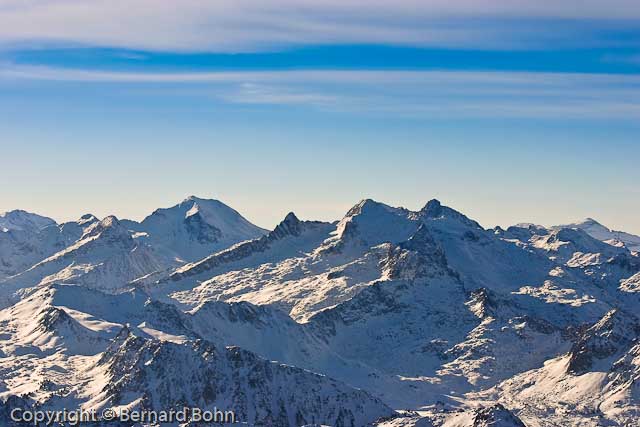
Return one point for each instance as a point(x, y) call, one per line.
point(386, 317)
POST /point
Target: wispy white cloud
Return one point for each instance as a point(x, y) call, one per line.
point(534, 80)
point(252, 93)
point(247, 25)
point(417, 94)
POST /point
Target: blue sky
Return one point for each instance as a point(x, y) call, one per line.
point(521, 112)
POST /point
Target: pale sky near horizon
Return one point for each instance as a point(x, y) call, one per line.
point(527, 112)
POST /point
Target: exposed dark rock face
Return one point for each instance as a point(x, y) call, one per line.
point(495, 416)
point(434, 209)
point(200, 230)
point(290, 226)
point(482, 303)
point(261, 393)
point(418, 257)
point(613, 334)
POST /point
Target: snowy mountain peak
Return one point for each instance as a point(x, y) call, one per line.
point(108, 227)
point(272, 245)
point(367, 207)
point(422, 309)
point(588, 224)
point(370, 222)
point(110, 221)
point(590, 221)
point(87, 219)
point(22, 220)
point(197, 227)
point(357, 208)
point(193, 198)
point(605, 234)
point(291, 218)
point(436, 210)
point(290, 225)
point(433, 208)
point(573, 235)
point(214, 212)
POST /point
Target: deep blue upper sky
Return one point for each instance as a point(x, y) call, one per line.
point(351, 57)
point(519, 111)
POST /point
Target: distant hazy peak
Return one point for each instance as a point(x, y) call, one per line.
point(589, 220)
point(601, 232)
point(22, 220)
point(587, 223)
point(529, 225)
point(192, 205)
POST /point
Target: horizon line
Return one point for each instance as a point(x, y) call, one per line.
point(59, 221)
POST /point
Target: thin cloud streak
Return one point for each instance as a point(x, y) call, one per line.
point(253, 25)
point(411, 94)
point(28, 72)
point(439, 107)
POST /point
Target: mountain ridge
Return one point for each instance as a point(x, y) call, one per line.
point(400, 317)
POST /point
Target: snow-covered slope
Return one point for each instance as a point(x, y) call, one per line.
point(197, 227)
point(155, 364)
point(109, 253)
point(354, 256)
point(492, 416)
point(375, 298)
point(600, 232)
point(24, 221)
point(22, 248)
point(594, 384)
point(289, 239)
point(319, 323)
point(106, 256)
point(151, 374)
